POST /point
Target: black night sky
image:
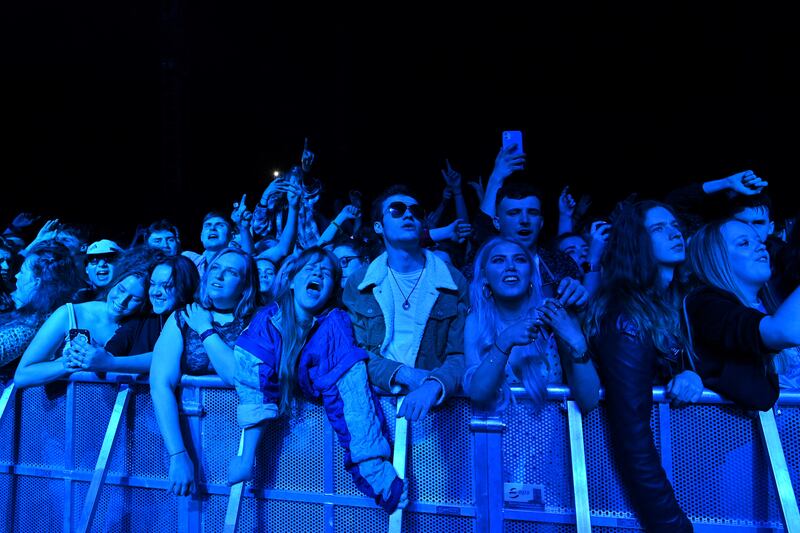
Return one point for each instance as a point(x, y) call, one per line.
point(119, 113)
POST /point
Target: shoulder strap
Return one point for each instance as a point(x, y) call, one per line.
point(73, 322)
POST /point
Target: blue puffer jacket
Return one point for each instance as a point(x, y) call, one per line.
point(331, 368)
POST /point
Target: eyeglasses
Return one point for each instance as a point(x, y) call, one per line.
point(95, 259)
point(398, 209)
point(344, 261)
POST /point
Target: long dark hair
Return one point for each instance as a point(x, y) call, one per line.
point(293, 333)
point(630, 279)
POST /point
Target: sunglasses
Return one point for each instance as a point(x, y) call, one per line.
point(398, 209)
point(344, 261)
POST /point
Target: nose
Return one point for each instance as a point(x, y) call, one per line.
point(125, 301)
point(155, 290)
point(761, 246)
point(524, 219)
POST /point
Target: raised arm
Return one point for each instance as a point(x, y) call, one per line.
point(453, 179)
point(349, 212)
point(566, 211)
point(505, 164)
point(289, 234)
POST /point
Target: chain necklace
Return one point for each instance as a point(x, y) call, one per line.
point(406, 304)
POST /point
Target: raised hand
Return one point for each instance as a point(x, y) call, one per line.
point(583, 205)
point(24, 220)
point(599, 234)
point(457, 231)
point(239, 209)
point(48, 231)
point(507, 162)
point(478, 186)
point(307, 158)
point(746, 183)
point(451, 177)
point(293, 194)
point(566, 203)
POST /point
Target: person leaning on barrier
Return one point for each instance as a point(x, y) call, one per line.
point(173, 282)
point(198, 339)
point(736, 326)
point(61, 348)
point(47, 279)
point(515, 335)
point(301, 341)
point(408, 310)
point(634, 325)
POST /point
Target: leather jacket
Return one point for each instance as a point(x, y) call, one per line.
point(628, 368)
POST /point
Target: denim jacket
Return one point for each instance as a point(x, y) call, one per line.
point(441, 348)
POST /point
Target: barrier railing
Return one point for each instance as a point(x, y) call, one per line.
point(87, 455)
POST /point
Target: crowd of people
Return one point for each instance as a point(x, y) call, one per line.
point(696, 291)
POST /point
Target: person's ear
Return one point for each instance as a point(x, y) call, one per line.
point(37, 282)
point(496, 222)
point(771, 227)
point(378, 227)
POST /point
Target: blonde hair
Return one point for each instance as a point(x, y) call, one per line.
point(710, 263)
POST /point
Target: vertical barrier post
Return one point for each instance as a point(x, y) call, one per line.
point(69, 455)
point(5, 399)
point(329, 485)
point(780, 471)
point(101, 467)
point(577, 454)
point(665, 438)
point(399, 462)
point(235, 498)
point(190, 508)
point(488, 462)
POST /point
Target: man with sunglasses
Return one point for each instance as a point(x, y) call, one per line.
point(408, 309)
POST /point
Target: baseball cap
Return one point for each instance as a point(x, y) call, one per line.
point(103, 247)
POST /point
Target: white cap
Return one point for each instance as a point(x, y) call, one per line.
point(102, 247)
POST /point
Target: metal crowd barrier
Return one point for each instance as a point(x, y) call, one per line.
point(86, 455)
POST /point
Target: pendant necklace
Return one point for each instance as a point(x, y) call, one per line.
point(406, 304)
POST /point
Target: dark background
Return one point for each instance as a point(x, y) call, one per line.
point(119, 113)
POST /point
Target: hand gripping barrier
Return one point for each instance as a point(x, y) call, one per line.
point(86, 455)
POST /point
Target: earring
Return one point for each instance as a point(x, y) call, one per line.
point(487, 291)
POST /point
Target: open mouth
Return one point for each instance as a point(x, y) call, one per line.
point(524, 233)
point(763, 259)
point(511, 278)
point(678, 247)
point(216, 285)
point(314, 286)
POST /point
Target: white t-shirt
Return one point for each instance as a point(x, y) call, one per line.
point(406, 328)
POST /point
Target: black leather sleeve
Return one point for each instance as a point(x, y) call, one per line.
point(627, 368)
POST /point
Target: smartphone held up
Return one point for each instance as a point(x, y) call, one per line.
point(513, 138)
